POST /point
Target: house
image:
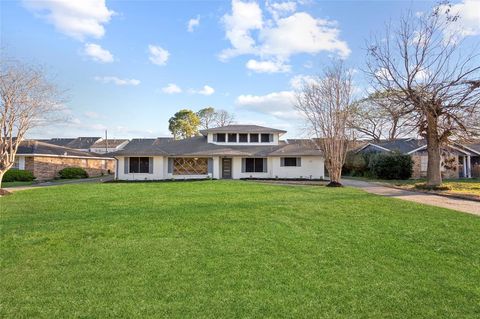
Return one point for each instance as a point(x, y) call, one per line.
point(103, 146)
point(44, 160)
point(456, 158)
point(229, 152)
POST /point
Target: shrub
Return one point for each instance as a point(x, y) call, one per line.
point(391, 166)
point(355, 165)
point(72, 172)
point(17, 175)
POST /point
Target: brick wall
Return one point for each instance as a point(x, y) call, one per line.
point(449, 159)
point(45, 168)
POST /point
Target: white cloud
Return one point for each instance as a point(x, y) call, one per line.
point(277, 104)
point(468, 23)
point(192, 23)
point(206, 90)
point(278, 9)
point(97, 53)
point(117, 81)
point(171, 89)
point(298, 81)
point(267, 66)
point(302, 33)
point(246, 16)
point(158, 55)
point(277, 39)
point(77, 19)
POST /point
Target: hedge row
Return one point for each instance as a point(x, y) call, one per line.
point(379, 165)
point(16, 175)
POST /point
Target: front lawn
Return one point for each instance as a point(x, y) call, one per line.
point(226, 249)
point(16, 184)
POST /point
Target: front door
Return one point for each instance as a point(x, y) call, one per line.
point(226, 168)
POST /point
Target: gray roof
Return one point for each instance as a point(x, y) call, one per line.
point(237, 128)
point(404, 145)
point(83, 142)
point(42, 148)
point(111, 143)
point(474, 146)
point(198, 146)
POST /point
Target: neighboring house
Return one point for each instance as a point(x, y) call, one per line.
point(456, 158)
point(103, 146)
point(229, 152)
point(83, 143)
point(44, 160)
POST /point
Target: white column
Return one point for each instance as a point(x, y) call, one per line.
point(464, 166)
point(469, 164)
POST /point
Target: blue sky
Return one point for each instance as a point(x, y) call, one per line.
point(130, 65)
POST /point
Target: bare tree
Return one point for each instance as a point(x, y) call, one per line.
point(224, 118)
point(28, 99)
point(326, 105)
point(425, 68)
point(376, 117)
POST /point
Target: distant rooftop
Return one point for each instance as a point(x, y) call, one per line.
point(238, 128)
point(83, 142)
point(108, 142)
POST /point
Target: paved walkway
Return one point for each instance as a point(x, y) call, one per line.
point(101, 179)
point(463, 205)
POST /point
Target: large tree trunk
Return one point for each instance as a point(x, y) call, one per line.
point(434, 175)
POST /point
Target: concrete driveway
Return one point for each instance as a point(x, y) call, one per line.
point(463, 205)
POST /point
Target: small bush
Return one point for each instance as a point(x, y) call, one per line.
point(17, 175)
point(72, 173)
point(391, 166)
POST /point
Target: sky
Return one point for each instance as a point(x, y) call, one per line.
point(128, 66)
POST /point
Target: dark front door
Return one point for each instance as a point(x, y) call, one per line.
point(226, 168)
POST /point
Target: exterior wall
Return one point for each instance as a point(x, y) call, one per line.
point(312, 167)
point(158, 170)
point(449, 169)
point(47, 167)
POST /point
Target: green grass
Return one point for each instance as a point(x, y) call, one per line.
point(15, 184)
point(226, 249)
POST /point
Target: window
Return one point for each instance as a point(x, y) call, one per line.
point(255, 165)
point(254, 138)
point(243, 138)
point(190, 166)
point(139, 165)
point(266, 138)
point(290, 161)
point(232, 138)
point(423, 163)
point(221, 137)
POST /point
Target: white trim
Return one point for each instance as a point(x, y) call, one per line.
point(374, 145)
point(470, 149)
point(71, 156)
point(417, 149)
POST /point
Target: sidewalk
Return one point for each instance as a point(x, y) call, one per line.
point(462, 205)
